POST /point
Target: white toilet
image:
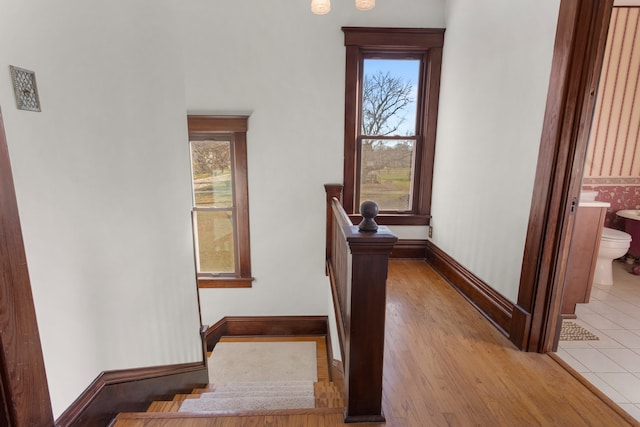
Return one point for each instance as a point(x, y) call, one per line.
point(613, 244)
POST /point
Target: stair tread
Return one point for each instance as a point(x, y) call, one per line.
point(163, 406)
point(181, 397)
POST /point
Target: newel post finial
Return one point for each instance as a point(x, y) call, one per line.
point(368, 210)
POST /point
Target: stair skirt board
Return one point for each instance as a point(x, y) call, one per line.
point(118, 391)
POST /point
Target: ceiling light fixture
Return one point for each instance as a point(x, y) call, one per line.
point(321, 7)
point(365, 4)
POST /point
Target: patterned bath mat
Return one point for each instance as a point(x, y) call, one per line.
point(573, 332)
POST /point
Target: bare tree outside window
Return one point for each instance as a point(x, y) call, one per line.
point(385, 98)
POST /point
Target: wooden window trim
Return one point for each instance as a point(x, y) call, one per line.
point(362, 42)
point(209, 126)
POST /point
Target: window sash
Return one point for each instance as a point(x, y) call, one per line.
point(197, 237)
point(412, 168)
point(231, 208)
point(221, 138)
point(413, 207)
point(393, 56)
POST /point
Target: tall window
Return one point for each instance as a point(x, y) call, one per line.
point(220, 200)
point(392, 85)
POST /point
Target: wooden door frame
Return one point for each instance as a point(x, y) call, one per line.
point(25, 393)
point(577, 61)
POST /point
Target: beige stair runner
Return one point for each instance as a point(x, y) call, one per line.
point(253, 396)
point(247, 397)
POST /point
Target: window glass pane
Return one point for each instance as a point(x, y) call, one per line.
point(216, 252)
point(212, 177)
point(387, 173)
point(389, 97)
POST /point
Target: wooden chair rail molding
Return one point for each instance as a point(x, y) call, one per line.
point(357, 265)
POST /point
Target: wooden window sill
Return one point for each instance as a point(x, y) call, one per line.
point(395, 219)
point(225, 282)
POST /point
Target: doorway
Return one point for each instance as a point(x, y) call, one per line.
point(578, 54)
point(607, 351)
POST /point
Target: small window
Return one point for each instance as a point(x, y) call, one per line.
point(220, 200)
point(392, 87)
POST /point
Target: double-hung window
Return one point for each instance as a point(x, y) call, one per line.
point(391, 107)
point(220, 200)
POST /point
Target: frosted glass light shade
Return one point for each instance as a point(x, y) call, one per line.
point(320, 7)
point(365, 4)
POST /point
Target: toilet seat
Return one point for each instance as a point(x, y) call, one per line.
point(614, 236)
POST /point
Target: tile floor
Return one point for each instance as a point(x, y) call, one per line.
point(612, 363)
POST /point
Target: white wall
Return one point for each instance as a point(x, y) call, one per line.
point(102, 181)
point(285, 66)
point(495, 75)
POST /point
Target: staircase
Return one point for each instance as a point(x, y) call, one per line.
point(227, 404)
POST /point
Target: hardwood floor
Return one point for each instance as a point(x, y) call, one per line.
point(445, 365)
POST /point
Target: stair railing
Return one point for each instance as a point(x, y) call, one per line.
point(357, 259)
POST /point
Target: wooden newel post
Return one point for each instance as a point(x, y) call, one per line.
point(357, 266)
point(370, 246)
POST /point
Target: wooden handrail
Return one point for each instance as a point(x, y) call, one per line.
point(357, 265)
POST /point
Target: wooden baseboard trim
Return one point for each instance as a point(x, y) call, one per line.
point(410, 249)
point(495, 307)
point(130, 390)
point(593, 389)
point(520, 327)
point(266, 325)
